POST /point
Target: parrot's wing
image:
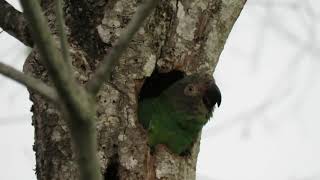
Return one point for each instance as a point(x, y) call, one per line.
point(146, 109)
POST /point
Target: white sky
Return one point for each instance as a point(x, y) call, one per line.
point(267, 127)
point(268, 124)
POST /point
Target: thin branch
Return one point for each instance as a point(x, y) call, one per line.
point(57, 67)
point(63, 37)
point(13, 22)
point(103, 73)
point(77, 106)
point(30, 82)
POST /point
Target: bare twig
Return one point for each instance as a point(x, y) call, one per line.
point(30, 82)
point(103, 72)
point(13, 22)
point(77, 106)
point(63, 37)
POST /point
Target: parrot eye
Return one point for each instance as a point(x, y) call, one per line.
point(190, 90)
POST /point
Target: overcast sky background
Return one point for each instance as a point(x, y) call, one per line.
point(267, 127)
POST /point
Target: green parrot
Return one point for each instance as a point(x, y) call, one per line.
point(177, 115)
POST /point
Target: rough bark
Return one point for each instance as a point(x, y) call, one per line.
point(184, 35)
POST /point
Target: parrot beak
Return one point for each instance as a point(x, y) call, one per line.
point(212, 96)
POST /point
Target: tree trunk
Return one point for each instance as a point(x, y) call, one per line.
point(186, 36)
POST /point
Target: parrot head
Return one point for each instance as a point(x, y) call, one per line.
point(197, 90)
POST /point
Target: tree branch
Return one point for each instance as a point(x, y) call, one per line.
point(62, 34)
point(77, 106)
point(13, 22)
point(103, 73)
point(51, 57)
point(30, 82)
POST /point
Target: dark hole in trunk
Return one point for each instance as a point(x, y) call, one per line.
point(112, 171)
point(157, 82)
